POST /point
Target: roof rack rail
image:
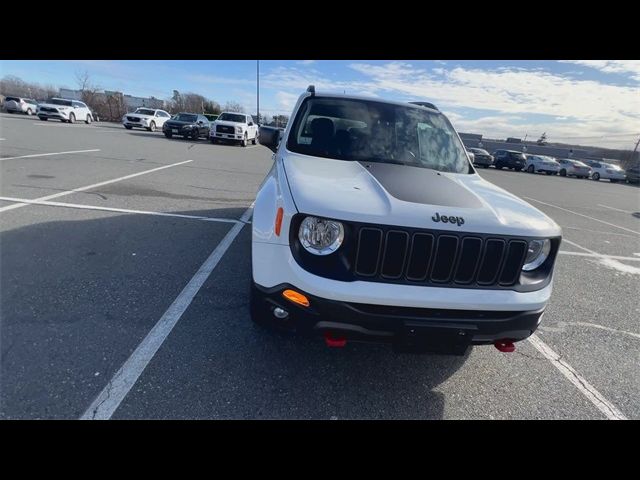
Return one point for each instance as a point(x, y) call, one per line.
point(311, 89)
point(425, 104)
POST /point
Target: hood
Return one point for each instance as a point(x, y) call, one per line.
point(409, 196)
point(177, 123)
point(228, 123)
point(139, 115)
point(53, 105)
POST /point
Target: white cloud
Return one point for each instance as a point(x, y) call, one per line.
point(612, 66)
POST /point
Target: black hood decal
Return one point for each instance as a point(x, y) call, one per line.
point(421, 185)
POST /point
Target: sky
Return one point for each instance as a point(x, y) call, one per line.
point(587, 102)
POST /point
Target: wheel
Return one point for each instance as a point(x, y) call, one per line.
point(531, 169)
point(88, 120)
point(152, 127)
point(486, 166)
point(243, 142)
point(72, 118)
point(44, 119)
point(549, 173)
point(128, 127)
point(518, 169)
point(595, 176)
point(213, 140)
point(168, 134)
point(563, 173)
point(29, 112)
point(195, 134)
point(255, 139)
point(613, 180)
point(499, 166)
point(9, 111)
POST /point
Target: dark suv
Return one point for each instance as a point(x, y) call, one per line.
point(509, 158)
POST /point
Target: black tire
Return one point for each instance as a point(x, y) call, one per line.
point(168, 134)
point(595, 176)
point(196, 134)
point(72, 118)
point(518, 169)
point(499, 166)
point(29, 112)
point(486, 166)
point(243, 142)
point(531, 169)
point(613, 180)
point(9, 111)
point(549, 173)
point(213, 140)
point(44, 119)
point(88, 120)
point(152, 126)
point(128, 127)
point(255, 139)
point(563, 173)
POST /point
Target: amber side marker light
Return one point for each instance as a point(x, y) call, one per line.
point(296, 297)
point(278, 225)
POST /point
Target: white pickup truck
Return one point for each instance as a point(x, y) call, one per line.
point(234, 127)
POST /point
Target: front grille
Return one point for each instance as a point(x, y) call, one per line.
point(225, 129)
point(437, 258)
point(48, 109)
point(133, 119)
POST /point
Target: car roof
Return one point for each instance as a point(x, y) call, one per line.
point(413, 104)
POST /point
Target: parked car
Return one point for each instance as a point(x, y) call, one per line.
point(187, 125)
point(211, 117)
point(373, 225)
point(633, 175)
point(20, 105)
point(605, 171)
point(236, 127)
point(575, 168)
point(510, 159)
point(64, 110)
point(471, 155)
point(542, 163)
point(481, 157)
point(148, 118)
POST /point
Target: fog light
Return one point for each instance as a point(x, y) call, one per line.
point(280, 313)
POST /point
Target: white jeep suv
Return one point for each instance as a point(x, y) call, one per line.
point(64, 110)
point(148, 118)
point(236, 127)
point(373, 225)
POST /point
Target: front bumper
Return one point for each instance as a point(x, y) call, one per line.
point(408, 329)
point(60, 115)
point(135, 124)
point(482, 161)
point(226, 136)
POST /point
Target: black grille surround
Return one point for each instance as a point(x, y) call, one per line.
point(433, 258)
point(225, 129)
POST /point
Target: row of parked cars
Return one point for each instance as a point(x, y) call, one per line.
point(566, 167)
point(61, 109)
point(227, 127)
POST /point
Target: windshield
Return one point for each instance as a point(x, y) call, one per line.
point(186, 117)
point(145, 111)
point(232, 117)
point(479, 151)
point(368, 130)
point(58, 101)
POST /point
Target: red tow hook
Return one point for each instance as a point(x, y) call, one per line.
point(334, 342)
point(506, 346)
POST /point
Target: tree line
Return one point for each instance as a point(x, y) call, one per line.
point(111, 106)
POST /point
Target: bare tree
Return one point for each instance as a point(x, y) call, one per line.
point(233, 107)
point(88, 90)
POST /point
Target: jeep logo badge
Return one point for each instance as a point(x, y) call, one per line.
point(444, 219)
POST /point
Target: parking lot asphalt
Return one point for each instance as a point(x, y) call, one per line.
point(98, 243)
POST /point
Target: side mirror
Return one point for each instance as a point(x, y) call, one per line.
point(270, 138)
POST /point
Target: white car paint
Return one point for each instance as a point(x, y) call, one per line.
point(65, 110)
point(21, 105)
point(245, 130)
point(541, 163)
point(148, 118)
point(606, 171)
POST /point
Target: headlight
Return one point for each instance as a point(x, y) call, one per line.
point(537, 253)
point(320, 236)
point(238, 129)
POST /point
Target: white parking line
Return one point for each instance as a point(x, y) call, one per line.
point(89, 187)
point(607, 408)
point(582, 215)
point(123, 210)
point(580, 254)
point(616, 209)
point(106, 403)
point(49, 154)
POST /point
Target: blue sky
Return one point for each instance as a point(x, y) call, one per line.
point(588, 102)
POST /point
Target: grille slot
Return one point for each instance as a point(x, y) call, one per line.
point(444, 258)
point(420, 256)
point(369, 247)
point(395, 253)
point(468, 261)
point(513, 262)
point(491, 261)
